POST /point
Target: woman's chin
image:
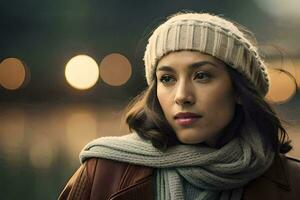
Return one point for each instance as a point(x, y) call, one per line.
point(190, 138)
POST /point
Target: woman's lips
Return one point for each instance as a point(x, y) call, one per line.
point(187, 121)
point(186, 118)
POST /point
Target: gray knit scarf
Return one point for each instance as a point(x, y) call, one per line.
point(191, 171)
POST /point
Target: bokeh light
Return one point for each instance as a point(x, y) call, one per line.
point(115, 69)
point(276, 58)
point(12, 73)
point(82, 72)
point(296, 63)
point(282, 86)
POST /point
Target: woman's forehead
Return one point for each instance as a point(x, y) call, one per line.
point(187, 56)
point(189, 60)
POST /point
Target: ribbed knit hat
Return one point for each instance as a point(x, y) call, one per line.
point(208, 34)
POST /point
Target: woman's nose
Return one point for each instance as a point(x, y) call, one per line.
point(184, 94)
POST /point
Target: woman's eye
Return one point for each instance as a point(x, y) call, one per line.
point(166, 79)
point(202, 76)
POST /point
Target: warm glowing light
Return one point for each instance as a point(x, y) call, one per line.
point(282, 86)
point(291, 65)
point(297, 69)
point(82, 72)
point(12, 73)
point(115, 69)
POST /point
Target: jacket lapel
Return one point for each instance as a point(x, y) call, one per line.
point(269, 184)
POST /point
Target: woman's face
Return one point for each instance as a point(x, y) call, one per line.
point(196, 95)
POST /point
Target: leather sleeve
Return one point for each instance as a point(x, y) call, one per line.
point(103, 179)
point(80, 184)
point(292, 167)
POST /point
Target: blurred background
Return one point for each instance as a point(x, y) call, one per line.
point(69, 68)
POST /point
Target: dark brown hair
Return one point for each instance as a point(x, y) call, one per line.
point(145, 116)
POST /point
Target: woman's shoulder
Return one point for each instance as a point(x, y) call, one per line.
point(109, 177)
point(292, 160)
point(285, 170)
point(117, 170)
point(281, 180)
point(291, 168)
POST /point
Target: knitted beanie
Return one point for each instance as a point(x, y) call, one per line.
point(211, 35)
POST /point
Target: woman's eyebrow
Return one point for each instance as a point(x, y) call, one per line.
point(202, 63)
point(193, 65)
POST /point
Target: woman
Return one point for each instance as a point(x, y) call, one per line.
point(201, 130)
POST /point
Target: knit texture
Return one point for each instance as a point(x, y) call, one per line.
point(211, 35)
point(186, 172)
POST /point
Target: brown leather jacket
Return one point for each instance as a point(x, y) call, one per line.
point(101, 179)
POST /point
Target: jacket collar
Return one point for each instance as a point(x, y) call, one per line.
point(277, 172)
